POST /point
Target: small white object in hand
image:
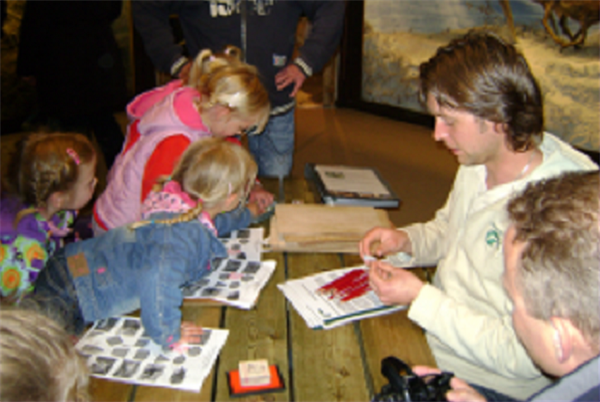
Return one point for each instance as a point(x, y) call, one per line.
point(403, 257)
point(369, 258)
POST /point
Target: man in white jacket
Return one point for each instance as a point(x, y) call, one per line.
point(488, 112)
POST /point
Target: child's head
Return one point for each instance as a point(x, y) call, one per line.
point(216, 173)
point(212, 169)
point(56, 171)
point(38, 361)
point(234, 101)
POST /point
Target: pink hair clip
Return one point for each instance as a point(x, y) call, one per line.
point(73, 155)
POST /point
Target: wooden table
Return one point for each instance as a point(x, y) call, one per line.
point(340, 364)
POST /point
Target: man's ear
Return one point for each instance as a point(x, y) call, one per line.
point(499, 128)
point(563, 338)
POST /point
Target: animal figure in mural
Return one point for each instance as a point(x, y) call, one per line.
point(585, 12)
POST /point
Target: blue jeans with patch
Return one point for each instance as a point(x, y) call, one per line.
point(273, 149)
point(55, 291)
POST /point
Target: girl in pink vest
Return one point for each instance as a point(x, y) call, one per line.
point(223, 97)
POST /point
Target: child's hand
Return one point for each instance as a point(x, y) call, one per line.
point(254, 209)
point(261, 197)
point(190, 333)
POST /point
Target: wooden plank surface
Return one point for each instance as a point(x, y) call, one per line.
point(102, 390)
point(259, 333)
point(327, 364)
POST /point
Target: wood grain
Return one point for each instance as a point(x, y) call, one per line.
point(259, 333)
point(321, 228)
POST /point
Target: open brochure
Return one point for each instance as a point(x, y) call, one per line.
point(118, 349)
point(321, 312)
point(234, 282)
point(244, 244)
point(238, 279)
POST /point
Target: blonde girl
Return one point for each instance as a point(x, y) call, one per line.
point(223, 98)
point(145, 264)
point(38, 360)
point(55, 177)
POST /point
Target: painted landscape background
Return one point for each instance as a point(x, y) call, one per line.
point(400, 34)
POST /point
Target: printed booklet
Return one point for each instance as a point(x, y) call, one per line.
point(237, 280)
point(118, 349)
point(348, 185)
point(322, 312)
point(234, 282)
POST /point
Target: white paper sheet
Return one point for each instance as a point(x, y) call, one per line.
point(234, 282)
point(118, 349)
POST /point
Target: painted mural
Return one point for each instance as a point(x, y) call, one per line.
point(563, 50)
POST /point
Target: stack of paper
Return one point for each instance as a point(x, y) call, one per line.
point(119, 349)
point(237, 280)
point(319, 311)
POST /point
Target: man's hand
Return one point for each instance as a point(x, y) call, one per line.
point(381, 241)
point(460, 392)
point(291, 74)
point(393, 286)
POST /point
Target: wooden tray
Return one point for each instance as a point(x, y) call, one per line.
point(322, 228)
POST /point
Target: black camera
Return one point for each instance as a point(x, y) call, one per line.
point(405, 385)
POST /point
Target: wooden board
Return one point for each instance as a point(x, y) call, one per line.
point(259, 333)
point(332, 356)
point(322, 228)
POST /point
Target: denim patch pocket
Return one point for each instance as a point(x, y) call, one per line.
point(102, 277)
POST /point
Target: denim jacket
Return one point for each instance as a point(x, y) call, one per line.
point(124, 269)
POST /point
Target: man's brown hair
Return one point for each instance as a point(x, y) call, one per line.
point(482, 74)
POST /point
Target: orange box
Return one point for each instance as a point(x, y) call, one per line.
point(236, 388)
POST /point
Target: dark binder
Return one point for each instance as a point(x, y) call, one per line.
point(386, 199)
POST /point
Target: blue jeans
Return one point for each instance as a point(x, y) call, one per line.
point(273, 148)
point(55, 290)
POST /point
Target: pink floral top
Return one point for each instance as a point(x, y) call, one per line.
point(173, 199)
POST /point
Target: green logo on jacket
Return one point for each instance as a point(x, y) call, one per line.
point(493, 237)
